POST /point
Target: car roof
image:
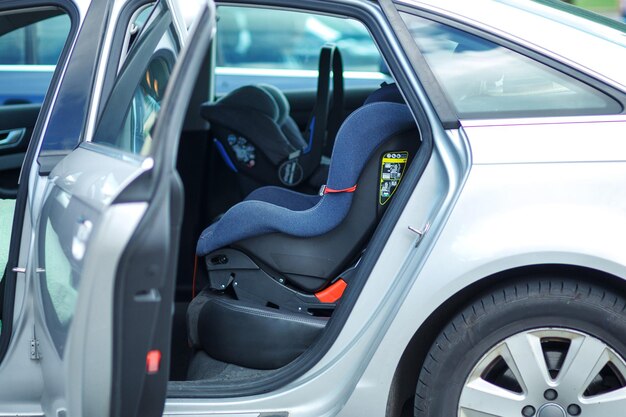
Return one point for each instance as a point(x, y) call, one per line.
point(589, 42)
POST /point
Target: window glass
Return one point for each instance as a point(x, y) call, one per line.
point(28, 56)
point(282, 47)
point(135, 136)
point(485, 80)
point(140, 115)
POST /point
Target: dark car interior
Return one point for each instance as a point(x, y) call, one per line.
point(283, 192)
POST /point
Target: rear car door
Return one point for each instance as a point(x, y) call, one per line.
point(106, 234)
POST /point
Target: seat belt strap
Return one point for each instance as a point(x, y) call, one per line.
point(327, 190)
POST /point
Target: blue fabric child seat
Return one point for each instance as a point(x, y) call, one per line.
point(276, 210)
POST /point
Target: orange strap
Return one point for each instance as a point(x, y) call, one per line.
point(328, 190)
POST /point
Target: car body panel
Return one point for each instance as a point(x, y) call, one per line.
point(556, 140)
point(493, 228)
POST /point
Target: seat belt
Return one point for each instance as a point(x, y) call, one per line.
point(335, 116)
point(324, 124)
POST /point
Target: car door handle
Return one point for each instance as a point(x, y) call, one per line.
point(11, 138)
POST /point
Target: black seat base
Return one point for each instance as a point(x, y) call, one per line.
point(231, 269)
point(249, 335)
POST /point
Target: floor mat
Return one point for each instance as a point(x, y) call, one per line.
point(204, 368)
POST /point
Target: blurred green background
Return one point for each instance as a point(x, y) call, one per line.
point(598, 5)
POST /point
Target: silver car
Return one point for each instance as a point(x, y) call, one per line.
point(446, 243)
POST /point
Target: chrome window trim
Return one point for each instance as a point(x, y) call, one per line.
point(543, 120)
point(297, 73)
point(27, 68)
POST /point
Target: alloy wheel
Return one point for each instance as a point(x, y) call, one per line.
point(550, 372)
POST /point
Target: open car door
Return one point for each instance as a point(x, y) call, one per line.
point(106, 249)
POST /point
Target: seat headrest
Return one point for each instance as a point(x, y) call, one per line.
point(388, 93)
point(252, 97)
point(281, 102)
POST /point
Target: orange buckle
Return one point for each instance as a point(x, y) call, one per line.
point(333, 292)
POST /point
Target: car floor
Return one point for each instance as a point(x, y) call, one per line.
point(206, 369)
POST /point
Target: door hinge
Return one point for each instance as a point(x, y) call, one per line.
point(35, 353)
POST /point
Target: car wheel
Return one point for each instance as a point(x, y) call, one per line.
point(540, 348)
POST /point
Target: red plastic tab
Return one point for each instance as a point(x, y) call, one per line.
point(153, 361)
point(333, 292)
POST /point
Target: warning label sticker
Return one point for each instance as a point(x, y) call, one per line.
point(391, 170)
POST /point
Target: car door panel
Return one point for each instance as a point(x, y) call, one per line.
point(82, 211)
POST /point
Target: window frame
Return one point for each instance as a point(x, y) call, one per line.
point(126, 75)
point(552, 64)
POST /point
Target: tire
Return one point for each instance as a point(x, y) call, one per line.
point(530, 349)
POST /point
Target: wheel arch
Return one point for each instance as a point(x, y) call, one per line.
point(402, 392)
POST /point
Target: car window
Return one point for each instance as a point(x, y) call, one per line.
point(135, 135)
point(485, 80)
point(140, 114)
point(282, 47)
point(28, 56)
